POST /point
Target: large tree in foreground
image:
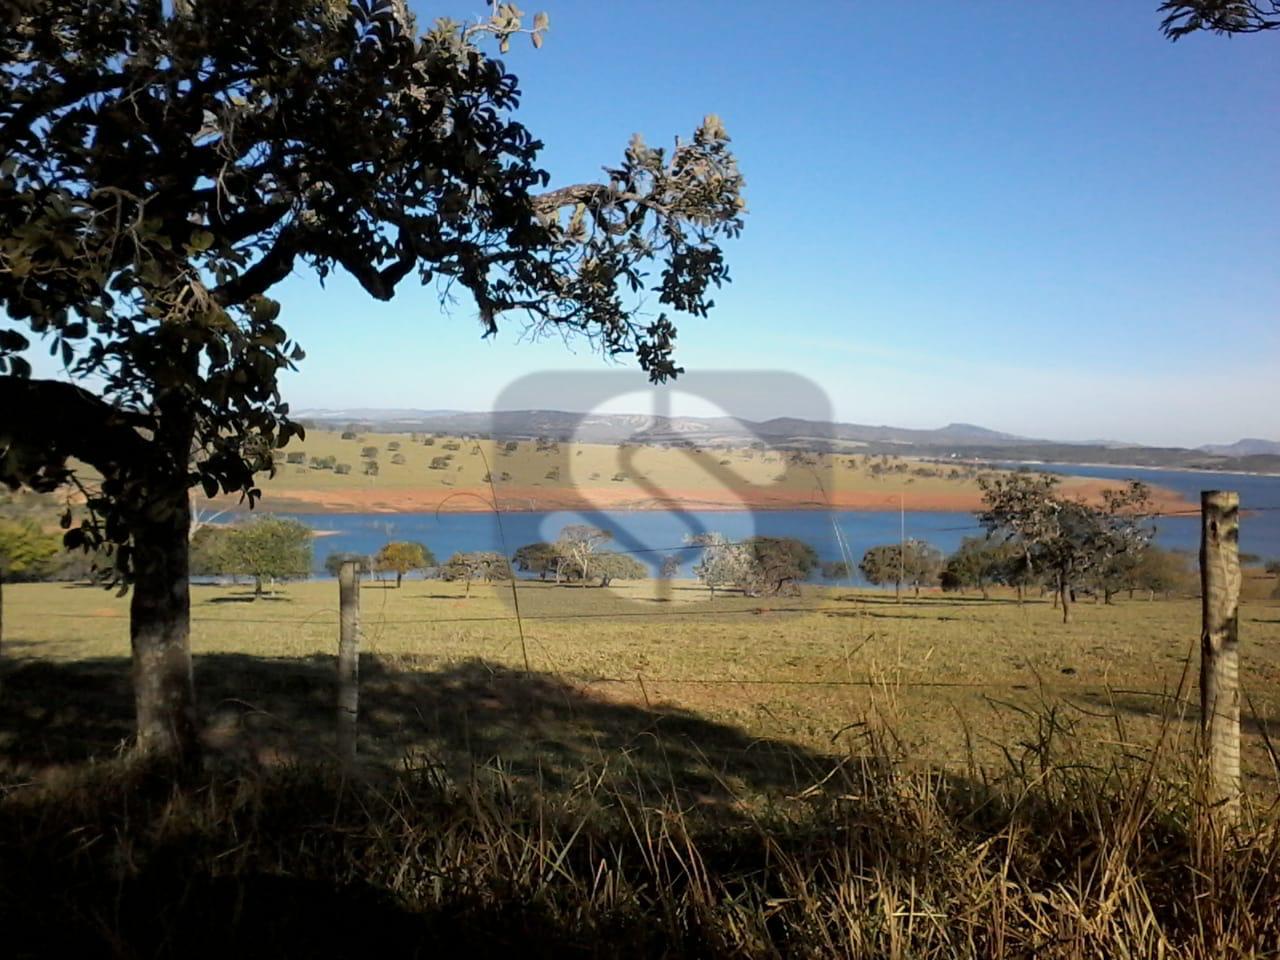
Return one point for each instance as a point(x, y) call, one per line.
point(164, 165)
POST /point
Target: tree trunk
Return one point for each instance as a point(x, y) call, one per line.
point(160, 633)
point(257, 587)
point(1066, 594)
point(1019, 589)
point(897, 590)
point(1, 631)
point(399, 577)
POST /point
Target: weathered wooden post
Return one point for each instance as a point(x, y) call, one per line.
point(1219, 649)
point(348, 660)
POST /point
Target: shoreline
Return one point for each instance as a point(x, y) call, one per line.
point(474, 500)
point(1139, 466)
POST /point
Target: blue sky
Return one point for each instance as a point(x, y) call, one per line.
point(1043, 218)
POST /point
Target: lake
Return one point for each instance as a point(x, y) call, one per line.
point(653, 535)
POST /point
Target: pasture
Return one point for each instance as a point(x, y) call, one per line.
point(424, 472)
point(736, 698)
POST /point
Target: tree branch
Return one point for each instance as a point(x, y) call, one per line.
point(61, 420)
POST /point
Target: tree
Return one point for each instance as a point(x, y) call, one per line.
point(1162, 571)
point(835, 570)
point(920, 563)
point(402, 556)
point(779, 564)
point(164, 168)
point(1066, 540)
point(1219, 16)
point(207, 554)
point(25, 552)
point(578, 543)
point(477, 564)
point(334, 561)
point(723, 563)
point(540, 558)
point(670, 567)
point(267, 548)
point(610, 566)
point(978, 563)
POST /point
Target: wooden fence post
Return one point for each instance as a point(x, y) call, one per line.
point(348, 660)
point(1219, 648)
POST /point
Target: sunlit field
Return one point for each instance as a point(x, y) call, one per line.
point(647, 671)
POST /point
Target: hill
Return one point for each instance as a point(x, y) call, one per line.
point(955, 440)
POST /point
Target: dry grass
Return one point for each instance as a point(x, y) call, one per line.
point(675, 785)
point(956, 680)
point(608, 475)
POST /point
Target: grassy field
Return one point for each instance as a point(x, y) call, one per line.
point(760, 692)
point(567, 475)
point(837, 775)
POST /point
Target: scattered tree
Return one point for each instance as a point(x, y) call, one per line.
point(401, 557)
point(610, 566)
point(1162, 571)
point(268, 548)
point(541, 558)
point(723, 563)
point(779, 564)
point(1065, 540)
point(578, 543)
point(26, 551)
point(334, 561)
point(475, 565)
point(915, 564)
point(978, 563)
point(835, 570)
point(670, 567)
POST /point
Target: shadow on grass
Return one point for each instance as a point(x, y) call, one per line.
point(545, 731)
point(250, 598)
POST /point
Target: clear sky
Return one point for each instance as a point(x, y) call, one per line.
point(1040, 217)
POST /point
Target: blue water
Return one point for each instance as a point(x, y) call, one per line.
point(650, 536)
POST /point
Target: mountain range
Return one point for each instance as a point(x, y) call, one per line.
point(955, 439)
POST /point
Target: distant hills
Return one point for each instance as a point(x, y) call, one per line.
point(1249, 447)
point(960, 440)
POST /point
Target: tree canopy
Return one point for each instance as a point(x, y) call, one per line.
point(334, 561)
point(914, 563)
point(165, 165)
point(26, 550)
point(1064, 540)
point(1182, 17)
point(266, 548)
point(401, 557)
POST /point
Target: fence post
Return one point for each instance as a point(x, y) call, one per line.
point(348, 660)
point(1219, 648)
